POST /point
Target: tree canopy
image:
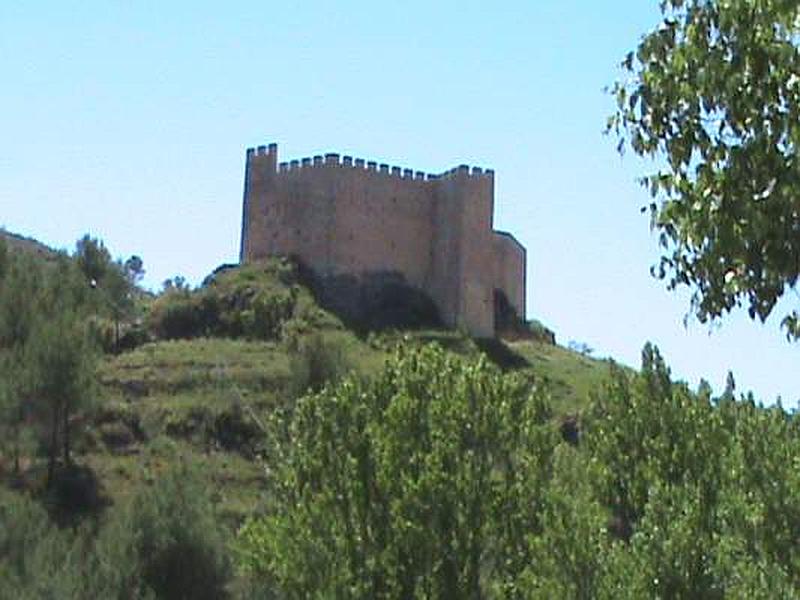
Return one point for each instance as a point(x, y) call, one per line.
point(713, 95)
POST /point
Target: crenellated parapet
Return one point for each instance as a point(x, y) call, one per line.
point(261, 151)
point(335, 160)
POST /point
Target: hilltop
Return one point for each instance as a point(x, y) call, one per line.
point(21, 243)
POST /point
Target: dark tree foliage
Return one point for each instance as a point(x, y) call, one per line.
point(114, 283)
point(61, 362)
point(93, 258)
point(4, 259)
point(163, 543)
point(46, 355)
point(134, 269)
point(166, 543)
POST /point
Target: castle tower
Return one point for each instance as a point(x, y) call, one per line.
point(259, 185)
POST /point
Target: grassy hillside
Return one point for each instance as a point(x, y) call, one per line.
point(204, 397)
point(196, 439)
point(209, 367)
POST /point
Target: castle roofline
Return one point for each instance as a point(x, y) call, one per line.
point(332, 159)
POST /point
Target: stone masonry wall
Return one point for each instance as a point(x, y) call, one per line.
point(345, 216)
point(509, 263)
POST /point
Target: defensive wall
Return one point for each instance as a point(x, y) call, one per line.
point(345, 216)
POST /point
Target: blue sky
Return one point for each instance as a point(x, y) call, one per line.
point(130, 121)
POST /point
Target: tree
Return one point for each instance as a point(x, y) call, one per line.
point(118, 288)
point(713, 95)
point(114, 280)
point(93, 258)
point(134, 269)
point(20, 295)
point(37, 559)
point(423, 483)
point(177, 284)
point(59, 356)
point(13, 406)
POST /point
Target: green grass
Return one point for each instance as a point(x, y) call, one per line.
point(200, 400)
point(572, 377)
point(184, 365)
point(237, 484)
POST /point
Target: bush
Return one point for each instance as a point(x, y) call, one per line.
point(37, 560)
point(165, 544)
point(74, 492)
point(537, 331)
point(314, 361)
point(253, 302)
point(132, 337)
point(270, 312)
point(174, 315)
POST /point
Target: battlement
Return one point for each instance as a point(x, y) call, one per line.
point(334, 160)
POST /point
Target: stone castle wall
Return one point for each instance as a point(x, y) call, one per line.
point(344, 216)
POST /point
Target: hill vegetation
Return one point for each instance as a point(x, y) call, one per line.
point(16, 242)
point(237, 440)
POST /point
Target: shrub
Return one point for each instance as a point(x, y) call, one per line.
point(314, 361)
point(75, 491)
point(234, 430)
point(250, 302)
point(166, 543)
point(175, 315)
point(270, 311)
point(37, 560)
point(539, 332)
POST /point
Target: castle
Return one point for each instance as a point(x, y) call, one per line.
point(358, 220)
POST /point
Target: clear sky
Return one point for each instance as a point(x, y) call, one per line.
point(129, 120)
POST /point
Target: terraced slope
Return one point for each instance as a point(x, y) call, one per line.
point(204, 398)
